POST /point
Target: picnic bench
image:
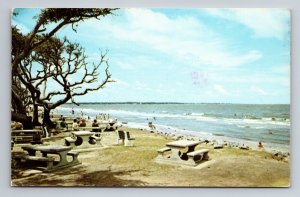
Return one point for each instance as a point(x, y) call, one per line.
point(128, 139)
point(164, 153)
point(182, 152)
point(27, 136)
point(111, 126)
point(120, 136)
point(197, 156)
point(124, 138)
point(45, 162)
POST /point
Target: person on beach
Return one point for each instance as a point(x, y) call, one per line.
point(151, 126)
point(63, 124)
point(61, 117)
point(95, 124)
point(73, 111)
point(75, 125)
point(260, 145)
point(82, 123)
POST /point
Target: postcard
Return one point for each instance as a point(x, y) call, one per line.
point(150, 97)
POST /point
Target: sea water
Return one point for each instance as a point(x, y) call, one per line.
point(246, 123)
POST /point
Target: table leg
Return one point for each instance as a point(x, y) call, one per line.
point(31, 152)
point(184, 156)
point(191, 148)
point(85, 141)
point(63, 158)
point(175, 154)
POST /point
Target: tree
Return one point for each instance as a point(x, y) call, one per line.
point(37, 47)
point(60, 64)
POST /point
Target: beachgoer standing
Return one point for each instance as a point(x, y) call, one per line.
point(151, 125)
point(75, 125)
point(63, 124)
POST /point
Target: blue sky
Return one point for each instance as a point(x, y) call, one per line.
point(187, 55)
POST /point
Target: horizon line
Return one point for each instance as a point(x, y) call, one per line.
point(136, 102)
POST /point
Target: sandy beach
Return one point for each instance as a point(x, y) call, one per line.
point(120, 166)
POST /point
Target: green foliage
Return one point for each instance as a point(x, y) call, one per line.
point(18, 41)
point(73, 15)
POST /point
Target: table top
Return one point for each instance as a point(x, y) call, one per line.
point(27, 130)
point(182, 143)
point(82, 133)
point(90, 127)
point(47, 148)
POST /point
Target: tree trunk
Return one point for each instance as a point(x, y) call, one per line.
point(46, 118)
point(35, 115)
point(17, 102)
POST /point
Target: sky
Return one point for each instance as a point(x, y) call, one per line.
point(186, 55)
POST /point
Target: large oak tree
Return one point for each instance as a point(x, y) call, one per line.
point(39, 57)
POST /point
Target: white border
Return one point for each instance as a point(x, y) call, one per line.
point(5, 41)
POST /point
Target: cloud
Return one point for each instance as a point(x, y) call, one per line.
point(125, 65)
point(265, 23)
point(257, 90)
point(220, 89)
point(282, 70)
point(229, 60)
point(183, 37)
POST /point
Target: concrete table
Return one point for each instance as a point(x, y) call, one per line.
point(178, 149)
point(99, 128)
point(27, 135)
point(62, 151)
point(82, 137)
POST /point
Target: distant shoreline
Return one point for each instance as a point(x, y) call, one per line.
point(168, 103)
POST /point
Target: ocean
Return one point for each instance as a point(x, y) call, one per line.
point(243, 123)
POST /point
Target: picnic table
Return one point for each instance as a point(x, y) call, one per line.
point(52, 165)
point(181, 148)
point(28, 135)
point(182, 152)
point(92, 128)
point(83, 139)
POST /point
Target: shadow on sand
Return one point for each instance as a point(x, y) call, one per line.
point(75, 176)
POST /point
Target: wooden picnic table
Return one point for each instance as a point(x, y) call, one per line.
point(62, 151)
point(180, 149)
